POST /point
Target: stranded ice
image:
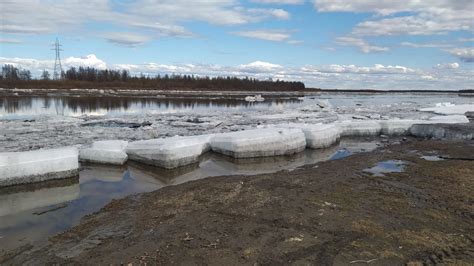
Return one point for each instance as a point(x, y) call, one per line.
point(317, 136)
point(260, 142)
point(169, 152)
point(36, 166)
point(107, 152)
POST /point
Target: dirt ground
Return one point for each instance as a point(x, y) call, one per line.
point(334, 213)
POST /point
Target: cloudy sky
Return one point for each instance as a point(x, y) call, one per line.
point(363, 44)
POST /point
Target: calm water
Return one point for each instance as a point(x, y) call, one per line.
point(23, 107)
point(33, 214)
point(20, 107)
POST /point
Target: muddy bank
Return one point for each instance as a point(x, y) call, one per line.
point(332, 213)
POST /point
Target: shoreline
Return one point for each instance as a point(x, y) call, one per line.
point(170, 93)
point(324, 214)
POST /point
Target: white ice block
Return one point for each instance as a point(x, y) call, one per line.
point(36, 166)
point(449, 119)
point(169, 152)
point(360, 128)
point(106, 152)
point(450, 109)
point(398, 126)
point(260, 142)
point(317, 136)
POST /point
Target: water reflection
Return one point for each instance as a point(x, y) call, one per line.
point(32, 214)
point(12, 107)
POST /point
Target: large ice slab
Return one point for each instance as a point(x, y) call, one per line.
point(444, 131)
point(318, 136)
point(260, 142)
point(448, 119)
point(360, 128)
point(106, 152)
point(36, 166)
point(169, 152)
point(398, 126)
point(450, 109)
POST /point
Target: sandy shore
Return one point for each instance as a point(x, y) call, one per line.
point(332, 213)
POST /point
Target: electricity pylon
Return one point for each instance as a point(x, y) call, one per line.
point(58, 69)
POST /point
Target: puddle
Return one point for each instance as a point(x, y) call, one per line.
point(432, 158)
point(33, 213)
point(385, 167)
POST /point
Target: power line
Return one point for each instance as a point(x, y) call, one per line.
point(58, 69)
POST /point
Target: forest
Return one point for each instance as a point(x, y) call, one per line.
point(87, 77)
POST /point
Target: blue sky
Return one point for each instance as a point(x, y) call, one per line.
point(325, 43)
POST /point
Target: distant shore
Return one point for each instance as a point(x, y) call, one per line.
point(191, 93)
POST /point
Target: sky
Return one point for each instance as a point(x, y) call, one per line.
point(330, 44)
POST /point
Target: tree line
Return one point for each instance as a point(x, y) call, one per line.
point(88, 77)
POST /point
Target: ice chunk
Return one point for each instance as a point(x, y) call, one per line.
point(169, 152)
point(259, 142)
point(107, 152)
point(450, 109)
point(449, 119)
point(398, 126)
point(22, 201)
point(443, 131)
point(360, 128)
point(317, 136)
point(36, 166)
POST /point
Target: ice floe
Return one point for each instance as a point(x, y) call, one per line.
point(450, 109)
point(317, 136)
point(443, 131)
point(106, 152)
point(169, 152)
point(259, 142)
point(40, 165)
point(360, 128)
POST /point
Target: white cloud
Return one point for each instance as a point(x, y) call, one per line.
point(36, 66)
point(465, 54)
point(85, 61)
point(426, 17)
point(157, 18)
point(447, 66)
point(279, 2)
point(126, 38)
point(390, 7)
point(260, 67)
point(267, 35)
point(411, 25)
point(10, 41)
point(353, 69)
point(425, 45)
point(363, 45)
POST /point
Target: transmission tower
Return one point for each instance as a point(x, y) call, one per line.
point(58, 69)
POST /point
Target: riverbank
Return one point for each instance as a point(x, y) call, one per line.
point(409, 209)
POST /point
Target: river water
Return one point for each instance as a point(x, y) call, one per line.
point(22, 107)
